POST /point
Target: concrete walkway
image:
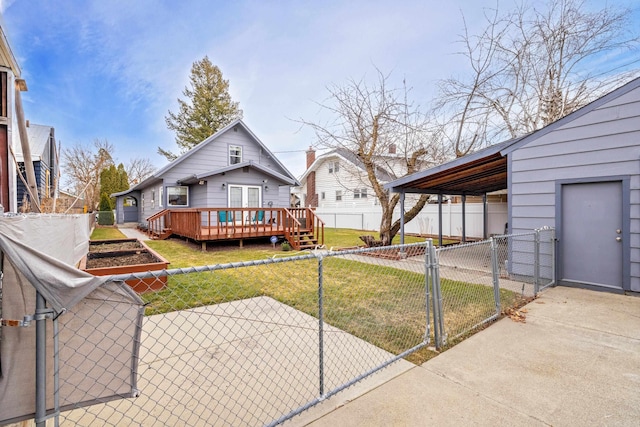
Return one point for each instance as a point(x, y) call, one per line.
point(576, 361)
point(133, 233)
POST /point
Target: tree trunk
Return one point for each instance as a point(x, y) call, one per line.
point(389, 229)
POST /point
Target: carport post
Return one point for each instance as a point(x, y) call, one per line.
point(464, 222)
point(484, 216)
point(402, 217)
point(440, 220)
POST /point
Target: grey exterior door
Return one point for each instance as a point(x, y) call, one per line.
point(591, 241)
point(130, 209)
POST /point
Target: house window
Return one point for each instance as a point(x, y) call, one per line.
point(235, 154)
point(160, 196)
point(322, 195)
point(153, 199)
point(360, 193)
point(338, 195)
point(178, 196)
point(334, 167)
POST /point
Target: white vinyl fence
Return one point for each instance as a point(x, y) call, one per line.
point(426, 223)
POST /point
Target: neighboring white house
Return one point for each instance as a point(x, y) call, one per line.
point(338, 179)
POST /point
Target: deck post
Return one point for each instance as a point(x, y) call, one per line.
point(240, 243)
point(204, 246)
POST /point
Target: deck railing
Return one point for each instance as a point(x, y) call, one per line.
point(205, 224)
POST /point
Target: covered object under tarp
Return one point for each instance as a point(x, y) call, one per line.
point(98, 321)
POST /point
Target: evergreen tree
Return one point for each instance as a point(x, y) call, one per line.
point(113, 180)
point(208, 108)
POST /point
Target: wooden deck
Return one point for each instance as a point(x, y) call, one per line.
point(300, 226)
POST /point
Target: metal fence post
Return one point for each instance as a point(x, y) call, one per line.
point(438, 317)
point(536, 263)
point(428, 280)
point(320, 328)
point(41, 361)
point(495, 273)
point(553, 244)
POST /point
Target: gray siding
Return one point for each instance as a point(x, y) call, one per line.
point(604, 142)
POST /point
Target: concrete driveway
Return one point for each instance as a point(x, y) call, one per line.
point(576, 361)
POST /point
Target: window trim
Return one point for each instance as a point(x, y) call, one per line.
point(334, 166)
point(169, 195)
point(237, 148)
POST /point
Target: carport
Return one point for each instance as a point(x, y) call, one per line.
point(476, 174)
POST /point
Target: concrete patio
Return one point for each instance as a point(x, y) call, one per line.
point(576, 361)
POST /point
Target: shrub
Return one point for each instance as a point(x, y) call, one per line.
point(286, 246)
point(105, 218)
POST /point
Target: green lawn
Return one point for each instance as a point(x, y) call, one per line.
point(381, 304)
point(106, 233)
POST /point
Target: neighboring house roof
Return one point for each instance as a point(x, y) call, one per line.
point(347, 156)
point(38, 142)
point(486, 170)
point(289, 178)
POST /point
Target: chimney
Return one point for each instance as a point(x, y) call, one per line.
point(311, 156)
point(312, 198)
point(392, 148)
point(27, 123)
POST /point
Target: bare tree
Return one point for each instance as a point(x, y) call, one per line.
point(530, 67)
point(370, 121)
point(83, 166)
point(138, 169)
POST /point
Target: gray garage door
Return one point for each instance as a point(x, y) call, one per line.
point(591, 236)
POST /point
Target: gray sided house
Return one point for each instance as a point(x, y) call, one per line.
point(231, 168)
point(43, 149)
point(580, 174)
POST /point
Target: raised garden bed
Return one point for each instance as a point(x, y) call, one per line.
point(124, 256)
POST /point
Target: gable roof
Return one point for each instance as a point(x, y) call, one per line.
point(347, 156)
point(155, 177)
point(486, 170)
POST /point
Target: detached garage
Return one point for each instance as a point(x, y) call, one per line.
point(580, 175)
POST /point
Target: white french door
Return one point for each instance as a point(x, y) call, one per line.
point(245, 196)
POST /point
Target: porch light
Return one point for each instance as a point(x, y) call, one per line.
point(201, 182)
point(224, 185)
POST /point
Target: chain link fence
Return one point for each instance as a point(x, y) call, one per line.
point(256, 343)
point(477, 282)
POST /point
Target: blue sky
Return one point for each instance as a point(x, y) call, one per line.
point(112, 69)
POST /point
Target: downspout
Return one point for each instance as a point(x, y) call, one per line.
point(21, 85)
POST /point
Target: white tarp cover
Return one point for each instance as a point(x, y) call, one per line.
point(99, 320)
